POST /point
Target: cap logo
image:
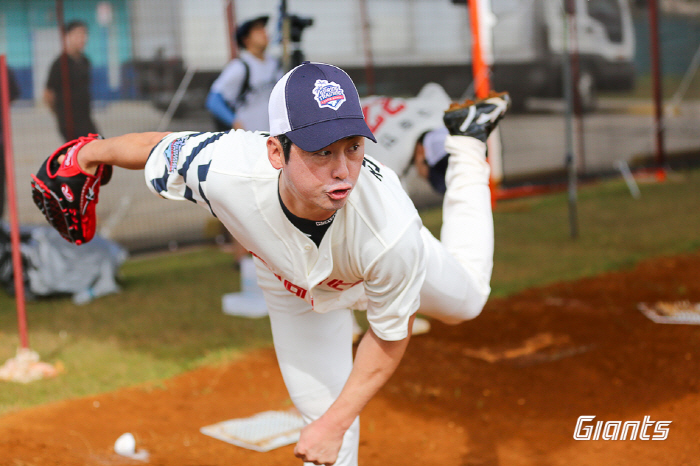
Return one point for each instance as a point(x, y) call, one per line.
point(328, 94)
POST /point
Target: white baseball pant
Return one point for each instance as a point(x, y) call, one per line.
point(314, 350)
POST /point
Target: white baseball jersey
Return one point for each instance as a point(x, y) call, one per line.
point(372, 257)
point(397, 123)
point(374, 252)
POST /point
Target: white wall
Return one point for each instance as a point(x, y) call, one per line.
point(204, 35)
point(155, 26)
point(46, 46)
point(402, 31)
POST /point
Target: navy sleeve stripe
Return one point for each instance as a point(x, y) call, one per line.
point(188, 195)
point(195, 151)
point(202, 172)
point(161, 184)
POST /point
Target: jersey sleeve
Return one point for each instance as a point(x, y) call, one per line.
point(392, 286)
point(178, 166)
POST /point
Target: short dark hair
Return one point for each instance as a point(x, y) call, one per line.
point(421, 138)
point(420, 141)
point(243, 30)
point(76, 23)
point(286, 146)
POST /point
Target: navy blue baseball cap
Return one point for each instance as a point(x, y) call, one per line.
point(315, 105)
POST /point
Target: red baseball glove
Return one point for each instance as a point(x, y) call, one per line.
point(66, 195)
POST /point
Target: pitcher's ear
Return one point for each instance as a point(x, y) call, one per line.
point(275, 153)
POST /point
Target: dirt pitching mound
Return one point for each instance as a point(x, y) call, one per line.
point(505, 389)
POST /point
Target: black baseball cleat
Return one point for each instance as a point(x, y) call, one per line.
point(477, 118)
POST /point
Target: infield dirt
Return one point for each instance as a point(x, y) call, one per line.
point(557, 353)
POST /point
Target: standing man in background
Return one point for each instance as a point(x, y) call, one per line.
point(78, 121)
point(238, 98)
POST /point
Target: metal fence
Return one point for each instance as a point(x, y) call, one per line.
point(142, 50)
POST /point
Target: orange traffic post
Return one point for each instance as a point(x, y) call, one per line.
point(480, 70)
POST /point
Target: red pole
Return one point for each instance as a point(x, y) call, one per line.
point(12, 203)
point(482, 84)
point(65, 75)
point(480, 71)
point(231, 28)
point(658, 98)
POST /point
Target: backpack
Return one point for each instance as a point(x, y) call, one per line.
point(240, 100)
point(245, 87)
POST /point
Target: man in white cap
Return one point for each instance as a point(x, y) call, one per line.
point(332, 230)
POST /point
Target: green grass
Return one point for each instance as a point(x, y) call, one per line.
point(168, 317)
point(534, 245)
point(167, 320)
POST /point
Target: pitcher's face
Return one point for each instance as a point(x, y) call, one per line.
point(313, 185)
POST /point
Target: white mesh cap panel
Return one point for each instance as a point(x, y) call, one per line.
point(279, 118)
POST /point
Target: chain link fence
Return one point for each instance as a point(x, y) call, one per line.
point(143, 50)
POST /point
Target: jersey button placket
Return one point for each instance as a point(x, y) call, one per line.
point(311, 254)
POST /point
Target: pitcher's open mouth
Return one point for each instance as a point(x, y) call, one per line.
point(339, 194)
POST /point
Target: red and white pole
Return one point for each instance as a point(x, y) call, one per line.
point(481, 22)
point(480, 30)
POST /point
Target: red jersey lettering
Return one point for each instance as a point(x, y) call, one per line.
point(374, 113)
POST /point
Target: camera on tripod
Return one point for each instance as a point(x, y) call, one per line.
point(297, 25)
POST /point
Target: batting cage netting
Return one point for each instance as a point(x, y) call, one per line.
point(152, 62)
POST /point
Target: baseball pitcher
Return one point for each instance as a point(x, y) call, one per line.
point(331, 230)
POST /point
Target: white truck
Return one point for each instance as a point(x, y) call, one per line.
point(412, 41)
point(529, 44)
